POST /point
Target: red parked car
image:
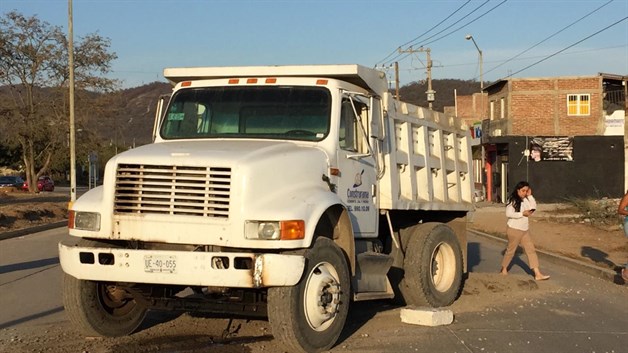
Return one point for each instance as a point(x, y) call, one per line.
point(44, 183)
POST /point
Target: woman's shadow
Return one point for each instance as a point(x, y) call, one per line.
point(600, 257)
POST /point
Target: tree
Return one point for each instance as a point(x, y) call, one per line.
point(34, 66)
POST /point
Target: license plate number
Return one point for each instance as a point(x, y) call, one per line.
point(160, 264)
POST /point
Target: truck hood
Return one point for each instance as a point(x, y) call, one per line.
point(215, 152)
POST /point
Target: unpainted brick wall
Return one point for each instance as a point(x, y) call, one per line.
point(538, 107)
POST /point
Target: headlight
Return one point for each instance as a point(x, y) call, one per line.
point(275, 230)
point(85, 221)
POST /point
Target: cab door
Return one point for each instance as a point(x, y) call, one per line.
point(356, 162)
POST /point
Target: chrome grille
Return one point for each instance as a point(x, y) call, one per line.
point(176, 190)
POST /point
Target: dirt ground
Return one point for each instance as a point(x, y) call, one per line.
point(170, 332)
point(173, 332)
point(20, 210)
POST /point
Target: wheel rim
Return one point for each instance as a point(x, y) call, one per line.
point(443, 267)
point(322, 296)
point(117, 302)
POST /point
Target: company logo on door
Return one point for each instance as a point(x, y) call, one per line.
point(358, 200)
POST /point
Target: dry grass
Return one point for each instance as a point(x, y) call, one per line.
point(599, 213)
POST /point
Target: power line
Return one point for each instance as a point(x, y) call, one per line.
point(432, 36)
point(441, 66)
point(461, 27)
point(546, 39)
point(468, 23)
point(446, 28)
point(570, 46)
point(426, 32)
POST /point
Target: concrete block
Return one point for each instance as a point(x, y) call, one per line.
point(426, 316)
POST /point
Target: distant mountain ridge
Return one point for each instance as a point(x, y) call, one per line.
point(136, 110)
point(125, 118)
point(130, 120)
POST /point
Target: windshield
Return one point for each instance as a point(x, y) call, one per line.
point(293, 113)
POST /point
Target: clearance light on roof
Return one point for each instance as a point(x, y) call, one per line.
point(321, 82)
point(271, 80)
point(234, 81)
point(251, 80)
point(186, 83)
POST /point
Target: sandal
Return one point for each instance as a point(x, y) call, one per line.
point(542, 278)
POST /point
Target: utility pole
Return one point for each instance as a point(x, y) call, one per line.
point(397, 80)
point(72, 131)
point(625, 83)
point(430, 92)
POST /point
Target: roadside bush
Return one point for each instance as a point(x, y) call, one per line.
point(600, 213)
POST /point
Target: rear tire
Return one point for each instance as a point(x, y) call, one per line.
point(310, 316)
point(433, 267)
point(100, 308)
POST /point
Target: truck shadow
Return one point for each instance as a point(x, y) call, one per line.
point(362, 312)
point(474, 257)
point(218, 333)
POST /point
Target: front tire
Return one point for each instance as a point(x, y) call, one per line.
point(100, 308)
point(310, 316)
point(432, 267)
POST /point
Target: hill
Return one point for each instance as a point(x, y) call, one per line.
point(132, 119)
point(128, 117)
point(446, 90)
point(125, 118)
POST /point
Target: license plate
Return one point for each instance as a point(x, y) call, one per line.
point(160, 263)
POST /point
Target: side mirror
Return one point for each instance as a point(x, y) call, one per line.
point(377, 131)
point(158, 114)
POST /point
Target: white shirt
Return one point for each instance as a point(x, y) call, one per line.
point(517, 220)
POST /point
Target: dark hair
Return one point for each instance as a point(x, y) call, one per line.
point(514, 199)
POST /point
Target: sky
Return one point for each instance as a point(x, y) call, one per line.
point(517, 38)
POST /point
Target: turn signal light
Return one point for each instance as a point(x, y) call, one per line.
point(71, 219)
point(292, 230)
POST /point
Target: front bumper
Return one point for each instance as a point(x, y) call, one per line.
point(180, 267)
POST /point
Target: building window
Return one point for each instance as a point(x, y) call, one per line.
point(502, 108)
point(578, 104)
point(492, 110)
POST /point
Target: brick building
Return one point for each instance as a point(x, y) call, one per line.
point(574, 124)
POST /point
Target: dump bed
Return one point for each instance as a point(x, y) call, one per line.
point(427, 160)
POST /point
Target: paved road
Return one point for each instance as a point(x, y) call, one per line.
point(573, 312)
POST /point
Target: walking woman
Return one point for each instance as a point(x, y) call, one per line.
point(519, 208)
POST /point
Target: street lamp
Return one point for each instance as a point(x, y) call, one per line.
point(484, 165)
point(470, 37)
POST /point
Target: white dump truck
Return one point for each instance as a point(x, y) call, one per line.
point(284, 192)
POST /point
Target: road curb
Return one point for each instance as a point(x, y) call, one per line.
point(35, 229)
point(595, 271)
